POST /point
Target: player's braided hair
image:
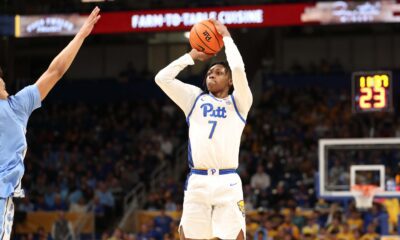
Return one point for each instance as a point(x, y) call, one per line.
point(225, 64)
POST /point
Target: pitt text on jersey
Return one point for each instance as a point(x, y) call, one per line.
point(208, 110)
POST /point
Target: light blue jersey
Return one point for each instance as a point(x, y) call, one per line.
point(14, 114)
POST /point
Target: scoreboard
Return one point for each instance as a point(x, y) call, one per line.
point(372, 92)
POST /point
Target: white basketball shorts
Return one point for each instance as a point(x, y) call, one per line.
point(213, 206)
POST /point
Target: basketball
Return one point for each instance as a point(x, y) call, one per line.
point(205, 38)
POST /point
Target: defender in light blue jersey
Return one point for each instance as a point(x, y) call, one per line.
point(14, 114)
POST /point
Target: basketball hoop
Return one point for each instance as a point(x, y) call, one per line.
point(364, 195)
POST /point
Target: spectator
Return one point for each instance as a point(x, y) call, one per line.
point(260, 180)
point(42, 235)
point(106, 199)
point(312, 227)
point(117, 235)
point(261, 234)
point(100, 214)
point(346, 233)
point(62, 229)
point(162, 223)
point(40, 204)
point(26, 205)
point(355, 221)
point(288, 228)
point(168, 236)
point(79, 207)
point(370, 234)
point(59, 204)
point(153, 202)
point(335, 226)
point(170, 205)
point(146, 233)
point(75, 195)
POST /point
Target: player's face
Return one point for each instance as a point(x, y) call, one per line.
point(3, 92)
point(2, 85)
point(218, 79)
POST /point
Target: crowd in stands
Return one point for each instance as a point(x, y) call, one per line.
point(324, 222)
point(85, 156)
point(322, 67)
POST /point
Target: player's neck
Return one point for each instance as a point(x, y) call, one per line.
point(221, 94)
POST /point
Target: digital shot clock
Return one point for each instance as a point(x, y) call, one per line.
point(372, 92)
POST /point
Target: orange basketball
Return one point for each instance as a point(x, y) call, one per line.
point(205, 38)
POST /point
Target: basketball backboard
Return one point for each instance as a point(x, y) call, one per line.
point(346, 162)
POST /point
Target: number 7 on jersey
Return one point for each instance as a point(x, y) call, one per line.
point(214, 124)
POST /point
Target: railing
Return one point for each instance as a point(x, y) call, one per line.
point(136, 198)
point(83, 220)
point(132, 201)
point(180, 161)
point(138, 192)
point(159, 175)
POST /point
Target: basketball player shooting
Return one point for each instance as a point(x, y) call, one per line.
point(213, 202)
point(14, 114)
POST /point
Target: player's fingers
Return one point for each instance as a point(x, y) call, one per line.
point(96, 19)
point(215, 21)
point(94, 13)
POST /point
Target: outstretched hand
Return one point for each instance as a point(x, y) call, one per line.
point(201, 56)
point(221, 28)
point(87, 27)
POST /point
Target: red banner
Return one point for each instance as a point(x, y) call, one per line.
point(183, 19)
point(271, 15)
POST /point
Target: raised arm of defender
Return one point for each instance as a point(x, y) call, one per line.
point(64, 59)
point(242, 92)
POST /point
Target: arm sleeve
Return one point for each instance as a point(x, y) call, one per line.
point(242, 92)
point(25, 102)
point(184, 95)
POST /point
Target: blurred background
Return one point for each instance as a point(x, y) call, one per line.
point(107, 151)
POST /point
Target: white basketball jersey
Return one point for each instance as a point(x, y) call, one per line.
point(215, 130)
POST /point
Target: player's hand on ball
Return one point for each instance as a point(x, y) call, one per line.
point(197, 55)
point(221, 28)
point(91, 20)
